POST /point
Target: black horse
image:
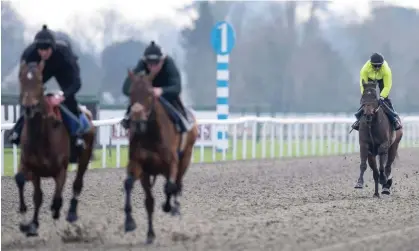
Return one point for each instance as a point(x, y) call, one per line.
point(377, 137)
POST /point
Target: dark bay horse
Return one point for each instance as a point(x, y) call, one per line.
point(46, 147)
point(376, 137)
point(155, 148)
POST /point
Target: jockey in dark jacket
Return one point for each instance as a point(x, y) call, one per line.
point(166, 83)
point(61, 63)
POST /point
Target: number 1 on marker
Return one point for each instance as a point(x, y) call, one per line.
point(223, 28)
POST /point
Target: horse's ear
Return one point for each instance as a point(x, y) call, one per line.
point(131, 74)
point(41, 66)
point(23, 66)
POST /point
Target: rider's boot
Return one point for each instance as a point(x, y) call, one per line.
point(393, 115)
point(397, 123)
point(186, 121)
point(14, 137)
point(358, 114)
point(125, 119)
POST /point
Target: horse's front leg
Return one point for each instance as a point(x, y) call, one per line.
point(57, 201)
point(362, 166)
point(20, 182)
point(149, 204)
point(130, 224)
point(383, 156)
point(83, 165)
point(373, 164)
point(31, 229)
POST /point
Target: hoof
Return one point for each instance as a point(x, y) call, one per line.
point(23, 209)
point(23, 227)
point(166, 207)
point(376, 195)
point(31, 229)
point(386, 191)
point(72, 217)
point(359, 185)
point(170, 188)
point(130, 225)
point(55, 215)
point(150, 238)
point(175, 209)
point(389, 183)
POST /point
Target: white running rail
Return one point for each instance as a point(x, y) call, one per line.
point(249, 138)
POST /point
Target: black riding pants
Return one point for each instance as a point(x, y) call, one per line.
point(72, 105)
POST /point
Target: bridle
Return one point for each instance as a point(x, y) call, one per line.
point(30, 111)
point(141, 125)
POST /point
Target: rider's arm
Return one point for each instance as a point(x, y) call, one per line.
point(173, 87)
point(72, 72)
point(127, 82)
point(387, 79)
point(363, 76)
point(30, 54)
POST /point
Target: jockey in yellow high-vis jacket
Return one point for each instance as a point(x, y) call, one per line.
point(376, 68)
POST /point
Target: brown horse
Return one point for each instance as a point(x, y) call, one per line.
point(46, 148)
point(377, 137)
point(155, 148)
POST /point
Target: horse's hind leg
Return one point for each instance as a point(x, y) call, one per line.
point(78, 181)
point(171, 188)
point(184, 163)
point(149, 204)
point(392, 153)
point(31, 229)
point(383, 157)
point(57, 201)
point(373, 164)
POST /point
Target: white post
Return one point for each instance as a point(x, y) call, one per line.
point(222, 101)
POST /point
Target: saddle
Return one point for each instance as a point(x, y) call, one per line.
point(173, 110)
point(61, 113)
point(53, 110)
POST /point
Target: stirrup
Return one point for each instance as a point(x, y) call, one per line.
point(355, 124)
point(397, 125)
point(14, 138)
point(80, 143)
point(125, 122)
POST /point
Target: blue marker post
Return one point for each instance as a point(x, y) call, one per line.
point(223, 40)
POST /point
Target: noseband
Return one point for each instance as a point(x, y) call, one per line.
point(141, 125)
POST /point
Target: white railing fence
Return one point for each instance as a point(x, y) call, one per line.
point(249, 138)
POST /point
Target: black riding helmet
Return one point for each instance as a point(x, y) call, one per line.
point(44, 39)
point(153, 53)
point(377, 60)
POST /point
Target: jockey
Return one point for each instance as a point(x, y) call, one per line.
point(61, 63)
point(166, 83)
point(376, 68)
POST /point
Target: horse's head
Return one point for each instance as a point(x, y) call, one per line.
point(141, 101)
point(370, 100)
point(31, 87)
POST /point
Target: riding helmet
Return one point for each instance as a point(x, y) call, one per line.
point(377, 59)
point(44, 39)
point(153, 53)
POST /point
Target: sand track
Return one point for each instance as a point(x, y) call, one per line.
point(304, 204)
